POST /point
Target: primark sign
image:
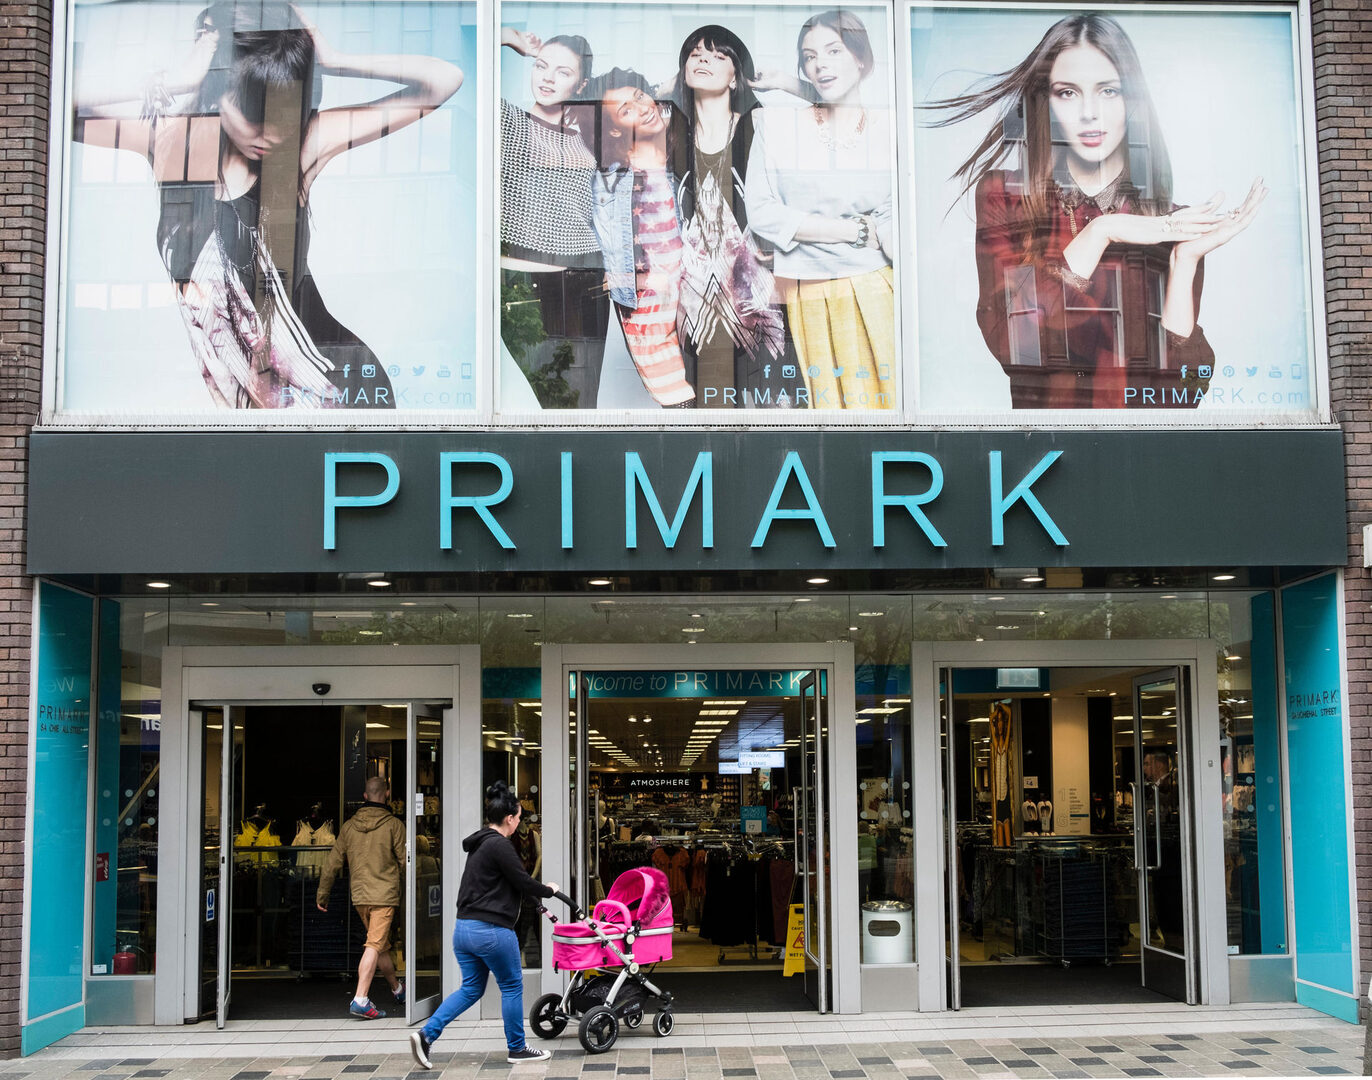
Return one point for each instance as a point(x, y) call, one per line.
point(698, 501)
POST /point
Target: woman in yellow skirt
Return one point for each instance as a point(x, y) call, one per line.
point(819, 192)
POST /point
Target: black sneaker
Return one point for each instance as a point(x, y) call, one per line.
point(528, 1053)
point(419, 1048)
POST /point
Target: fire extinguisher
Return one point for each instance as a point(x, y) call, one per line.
point(125, 963)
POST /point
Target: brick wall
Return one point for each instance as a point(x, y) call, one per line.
point(1343, 104)
point(25, 50)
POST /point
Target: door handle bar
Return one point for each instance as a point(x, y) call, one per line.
point(1157, 826)
point(1134, 800)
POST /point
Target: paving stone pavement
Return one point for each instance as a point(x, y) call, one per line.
point(1313, 1050)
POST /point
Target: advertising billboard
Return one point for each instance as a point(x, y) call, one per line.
point(697, 207)
point(271, 206)
point(1111, 210)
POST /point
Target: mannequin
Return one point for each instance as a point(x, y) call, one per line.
point(313, 832)
point(1001, 830)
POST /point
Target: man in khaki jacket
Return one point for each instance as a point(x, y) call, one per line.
point(372, 843)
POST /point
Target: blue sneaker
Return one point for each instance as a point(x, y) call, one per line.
point(365, 1010)
point(399, 993)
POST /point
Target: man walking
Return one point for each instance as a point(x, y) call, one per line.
point(372, 843)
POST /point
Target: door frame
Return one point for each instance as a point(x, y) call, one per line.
point(1163, 961)
point(284, 675)
point(1197, 655)
point(835, 657)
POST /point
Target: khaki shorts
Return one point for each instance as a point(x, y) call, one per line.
point(377, 920)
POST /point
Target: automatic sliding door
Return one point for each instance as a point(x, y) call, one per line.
point(813, 815)
point(212, 852)
point(1161, 835)
point(950, 817)
point(423, 869)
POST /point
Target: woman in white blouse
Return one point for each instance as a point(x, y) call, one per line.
point(819, 191)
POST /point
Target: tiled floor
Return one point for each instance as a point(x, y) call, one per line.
point(975, 1044)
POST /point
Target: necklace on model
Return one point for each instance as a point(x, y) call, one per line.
point(826, 136)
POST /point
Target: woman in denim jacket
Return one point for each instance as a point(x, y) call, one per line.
point(638, 224)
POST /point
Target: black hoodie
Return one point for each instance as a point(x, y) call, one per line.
point(494, 882)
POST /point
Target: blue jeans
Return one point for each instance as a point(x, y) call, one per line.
point(482, 947)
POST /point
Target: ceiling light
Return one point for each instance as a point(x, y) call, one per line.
point(647, 719)
point(1233, 656)
point(852, 628)
point(633, 719)
point(598, 581)
point(693, 629)
point(1032, 579)
point(995, 598)
point(408, 603)
point(379, 583)
point(1217, 577)
point(878, 711)
point(817, 581)
point(159, 584)
point(383, 727)
point(370, 633)
point(208, 603)
point(518, 615)
point(1169, 596)
point(732, 701)
point(803, 599)
point(871, 614)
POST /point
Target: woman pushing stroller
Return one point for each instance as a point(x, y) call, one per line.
point(494, 883)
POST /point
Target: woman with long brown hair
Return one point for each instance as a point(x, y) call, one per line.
point(1090, 275)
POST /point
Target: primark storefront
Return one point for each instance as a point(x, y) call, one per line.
point(892, 559)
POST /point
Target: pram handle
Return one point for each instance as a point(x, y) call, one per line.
point(577, 913)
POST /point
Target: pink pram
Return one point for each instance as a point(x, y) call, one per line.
point(630, 928)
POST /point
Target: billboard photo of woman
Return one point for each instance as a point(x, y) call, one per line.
point(1093, 239)
point(235, 135)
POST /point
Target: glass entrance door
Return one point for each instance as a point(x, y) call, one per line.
point(813, 829)
point(221, 742)
point(424, 874)
point(953, 973)
point(1162, 847)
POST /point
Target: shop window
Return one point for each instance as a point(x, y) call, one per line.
point(127, 736)
point(1250, 758)
point(880, 631)
point(512, 751)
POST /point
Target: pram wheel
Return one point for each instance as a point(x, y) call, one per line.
point(633, 1016)
point(663, 1023)
point(545, 1019)
point(599, 1029)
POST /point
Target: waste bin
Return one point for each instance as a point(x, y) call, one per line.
point(887, 932)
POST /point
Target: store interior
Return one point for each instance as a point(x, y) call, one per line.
point(1045, 777)
point(297, 772)
point(708, 788)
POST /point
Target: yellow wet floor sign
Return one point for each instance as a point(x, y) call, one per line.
point(795, 941)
